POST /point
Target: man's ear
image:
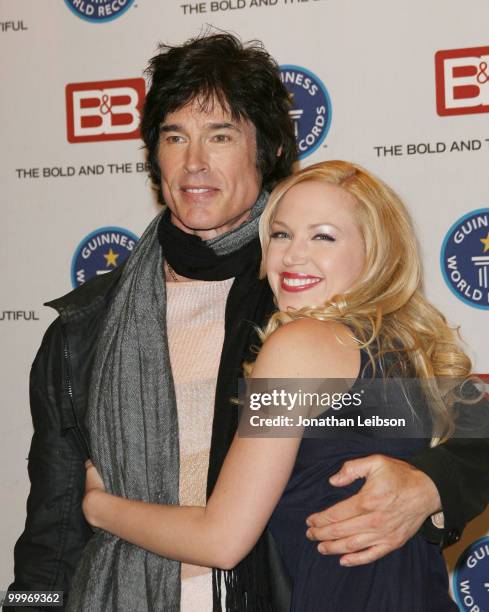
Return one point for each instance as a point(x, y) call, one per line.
point(280, 151)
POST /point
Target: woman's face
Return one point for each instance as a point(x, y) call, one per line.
point(316, 248)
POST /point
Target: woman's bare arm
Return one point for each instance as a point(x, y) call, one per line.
point(255, 471)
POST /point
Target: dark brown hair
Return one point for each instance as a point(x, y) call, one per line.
point(243, 78)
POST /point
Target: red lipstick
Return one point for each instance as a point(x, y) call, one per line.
point(294, 282)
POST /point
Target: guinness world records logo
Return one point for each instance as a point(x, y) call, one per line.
point(311, 107)
point(464, 258)
point(100, 252)
point(98, 11)
point(471, 577)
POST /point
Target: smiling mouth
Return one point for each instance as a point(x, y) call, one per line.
point(198, 189)
point(298, 282)
point(199, 195)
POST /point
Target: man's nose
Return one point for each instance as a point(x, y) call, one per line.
point(296, 253)
point(196, 158)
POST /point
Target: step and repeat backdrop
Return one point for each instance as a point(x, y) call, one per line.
point(401, 88)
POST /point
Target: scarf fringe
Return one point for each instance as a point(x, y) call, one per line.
point(247, 585)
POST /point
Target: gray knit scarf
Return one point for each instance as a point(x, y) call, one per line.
point(133, 429)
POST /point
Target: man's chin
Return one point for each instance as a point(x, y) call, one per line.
point(206, 228)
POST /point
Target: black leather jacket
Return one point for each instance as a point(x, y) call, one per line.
point(55, 534)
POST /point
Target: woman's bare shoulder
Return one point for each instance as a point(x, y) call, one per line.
point(309, 348)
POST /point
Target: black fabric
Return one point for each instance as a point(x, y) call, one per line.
point(189, 255)
point(411, 578)
point(250, 301)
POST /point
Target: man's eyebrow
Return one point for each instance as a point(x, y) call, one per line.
point(224, 125)
point(178, 127)
point(171, 127)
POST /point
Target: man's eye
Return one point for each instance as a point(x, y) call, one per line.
point(279, 235)
point(324, 236)
point(221, 138)
point(172, 139)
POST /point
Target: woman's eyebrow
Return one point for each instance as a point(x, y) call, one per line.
point(311, 226)
point(314, 225)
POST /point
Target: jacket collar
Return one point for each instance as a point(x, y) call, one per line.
point(88, 297)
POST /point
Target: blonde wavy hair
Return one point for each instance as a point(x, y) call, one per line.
point(385, 309)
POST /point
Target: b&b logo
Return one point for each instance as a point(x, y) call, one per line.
point(465, 258)
point(462, 81)
point(101, 252)
point(104, 110)
point(98, 10)
point(471, 577)
point(311, 107)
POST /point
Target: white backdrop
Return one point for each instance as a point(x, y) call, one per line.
point(376, 61)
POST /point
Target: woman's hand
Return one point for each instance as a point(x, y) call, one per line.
point(93, 479)
point(93, 487)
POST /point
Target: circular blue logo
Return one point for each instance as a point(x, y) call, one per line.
point(98, 11)
point(465, 258)
point(311, 107)
point(101, 252)
point(471, 577)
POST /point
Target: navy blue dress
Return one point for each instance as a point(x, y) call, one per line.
point(411, 579)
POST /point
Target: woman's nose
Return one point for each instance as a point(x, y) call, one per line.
point(295, 254)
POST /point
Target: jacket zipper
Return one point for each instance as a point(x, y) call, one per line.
point(68, 380)
point(75, 430)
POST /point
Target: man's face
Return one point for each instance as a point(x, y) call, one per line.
point(208, 167)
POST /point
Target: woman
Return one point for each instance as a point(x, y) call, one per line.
point(341, 259)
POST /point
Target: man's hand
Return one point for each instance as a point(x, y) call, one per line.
point(388, 510)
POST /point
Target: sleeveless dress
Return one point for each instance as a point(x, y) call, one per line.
point(411, 579)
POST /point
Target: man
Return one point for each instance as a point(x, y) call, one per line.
point(130, 374)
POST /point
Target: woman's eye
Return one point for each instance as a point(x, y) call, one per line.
point(324, 236)
point(279, 235)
